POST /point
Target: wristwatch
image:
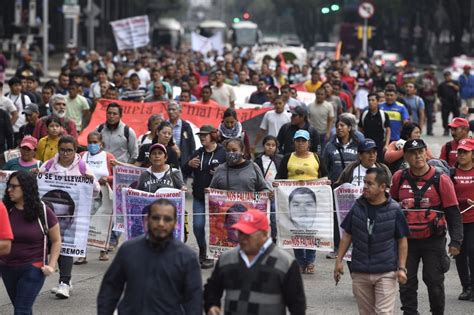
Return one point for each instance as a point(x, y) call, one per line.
point(403, 269)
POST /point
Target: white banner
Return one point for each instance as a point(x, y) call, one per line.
point(304, 213)
point(101, 219)
point(132, 32)
point(70, 197)
point(205, 44)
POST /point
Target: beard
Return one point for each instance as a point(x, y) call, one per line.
point(60, 114)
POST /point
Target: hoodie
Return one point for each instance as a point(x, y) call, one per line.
point(172, 178)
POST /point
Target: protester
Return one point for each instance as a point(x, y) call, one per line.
point(33, 223)
point(77, 107)
point(202, 165)
point(20, 100)
point(313, 84)
point(378, 231)
point(466, 87)
point(6, 234)
point(459, 131)
point(48, 145)
point(58, 106)
point(260, 95)
point(416, 104)
point(223, 93)
point(182, 133)
point(6, 133)
point(31, 113)
point(437, 201)
point(231, 128)
point(321, 116)
point(427, 85)
point(302, 164)
point(397, 112)
point(26, 161)
point(153, 122)
point(206, 93)
point(170, 268)
point(67, 162)
point(463, 177)
point(448, 96)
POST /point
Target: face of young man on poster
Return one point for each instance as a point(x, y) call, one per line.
point(302, 208)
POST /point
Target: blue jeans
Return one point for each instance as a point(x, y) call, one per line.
point(199, 222)
point(304, 257)
point(23, 285)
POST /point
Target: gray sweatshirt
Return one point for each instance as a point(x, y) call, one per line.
point(244, 177)
point(125, 150)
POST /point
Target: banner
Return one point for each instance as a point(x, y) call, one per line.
point(4, 175)
point(305, 214)
point(11, 154)
point(135, 201)
point(135, 114)
point(224, 209)
point(70, 197)
point(132, 32)
point(205, 44)
point(345, 197)
point(101, 219)
point(124, 177)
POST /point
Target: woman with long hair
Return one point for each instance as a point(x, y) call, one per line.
point(33, 223)
point(231, 128)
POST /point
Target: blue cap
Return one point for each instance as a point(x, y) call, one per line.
point(367, 145)
point(302, 134)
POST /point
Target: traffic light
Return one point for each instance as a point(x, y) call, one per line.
point(335, 7)
point(325, 10)
point(246, 15)
point(236, 20)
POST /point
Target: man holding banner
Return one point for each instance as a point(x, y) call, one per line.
point(377, 228)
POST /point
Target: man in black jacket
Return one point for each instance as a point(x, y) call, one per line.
point(160, 274)
point(182, 133)
point(6, 134)
point(299, 120)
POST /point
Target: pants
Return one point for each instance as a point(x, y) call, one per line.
point(23, 284)
point(429, 108)
point(273, 224)
point(465, 260)
point(337, 237)
point(199, 222)
point(304, 257)
point(322, 141)
point(65, 268)
point(375, 293)
point(435, 264)
point(446, 109)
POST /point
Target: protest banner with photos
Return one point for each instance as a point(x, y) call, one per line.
point(70, 197)
point(4, 175)
point(345, 197)
point(134, 202)
point(124, 177)
point(101, 219)
point(224, 209)
point(304, 213)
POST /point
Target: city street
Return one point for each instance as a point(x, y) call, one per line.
point(322, 296)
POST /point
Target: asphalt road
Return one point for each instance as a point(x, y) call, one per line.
point(322, 296)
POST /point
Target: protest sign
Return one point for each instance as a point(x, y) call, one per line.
point(136, 113)
point(207, 44)
point(345, 197)
point(304, 213)
point(224, 209)
point(70, 197)
point(11, 154)
point(101, 219)
point(134, 202)
point(124, 177)
point(131, 33)
point(4, 175)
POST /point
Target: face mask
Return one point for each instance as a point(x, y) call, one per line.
point(233, 158)
point(93, 148)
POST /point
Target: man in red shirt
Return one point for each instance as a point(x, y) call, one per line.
point(6, 235)
point(459, 130)
point(463, 179)
point(428, 199)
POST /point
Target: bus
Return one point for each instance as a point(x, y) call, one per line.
point(167, 32)
point(245, 33)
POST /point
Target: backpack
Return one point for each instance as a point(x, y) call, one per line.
point(126, 130)
point(423, 220)
point(82, 166)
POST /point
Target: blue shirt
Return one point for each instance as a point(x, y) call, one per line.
point(416, 103)
point(177, 132)
point(398, 114)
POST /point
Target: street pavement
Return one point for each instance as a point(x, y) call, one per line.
point(322, 296)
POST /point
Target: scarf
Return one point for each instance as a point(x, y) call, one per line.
point(230, 133)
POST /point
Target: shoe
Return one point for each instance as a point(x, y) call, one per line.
point(465, 295)
point(310, 269)
point(331, 255)
point(81, 261)
point(54, 290)
point(63, 291)
point(207, 263)
point(103, 256)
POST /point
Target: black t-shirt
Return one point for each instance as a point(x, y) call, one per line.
point(373, 128)
point(448, 94)
point(144, 154)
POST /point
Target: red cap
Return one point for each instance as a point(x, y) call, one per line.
point(466, 144)
point(467, 67)
point(29, 142)
point(459, 122)
point(252, 221)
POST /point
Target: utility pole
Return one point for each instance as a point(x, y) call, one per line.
point(45, 37)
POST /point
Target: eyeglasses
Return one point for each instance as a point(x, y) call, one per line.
point(12, 186)
point(66, 151)
point(165, 218)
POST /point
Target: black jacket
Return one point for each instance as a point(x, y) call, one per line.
point(187, 144)
point(286, 134)
point(164, 280)
point(6, 131)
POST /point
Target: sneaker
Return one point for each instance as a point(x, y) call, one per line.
point(207, 263)
point(465, 295)
point(63, 291)
point(331, 255)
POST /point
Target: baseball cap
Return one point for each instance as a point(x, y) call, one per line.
point(252, 221)
point(459, 122)
point(466, 144)
point(29, 142)
point(300, 111)
point(31, 108)
point(367, 145)
point(414, 144)
point(158, 146)
point(467, 67)
point(302, 134)
point(205, 129)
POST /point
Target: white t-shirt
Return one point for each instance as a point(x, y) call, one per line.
point(358, 175)
point(97, 163)
point(272, 121)
point(143, 74)
point(272, 171)
point(7, 105)
point(319, 114)
point(223, 95)
point(17, 101)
